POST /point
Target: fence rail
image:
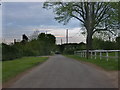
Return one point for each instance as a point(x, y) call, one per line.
point(99, 53)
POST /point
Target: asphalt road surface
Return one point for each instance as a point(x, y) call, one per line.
point(63, 72)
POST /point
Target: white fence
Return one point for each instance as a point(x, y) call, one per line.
point(99, 53)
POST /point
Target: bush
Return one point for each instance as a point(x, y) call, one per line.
point(9, 52)
point(44, 45)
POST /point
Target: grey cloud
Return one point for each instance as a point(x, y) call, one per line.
point(19, 18)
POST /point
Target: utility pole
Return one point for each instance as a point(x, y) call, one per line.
point(66, 36)
point(15, 41)
point(46, 32)
point(61, 41)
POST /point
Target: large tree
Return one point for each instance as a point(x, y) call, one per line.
point(92, 15)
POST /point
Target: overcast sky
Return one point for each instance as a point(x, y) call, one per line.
point(0, 23)
point(26, 17)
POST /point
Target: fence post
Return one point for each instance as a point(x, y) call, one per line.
point(82, 54)
point(85, 54)
point(95, 55)
point(116, 54)
point(100, 55)
point(107, 55)
point(78, 53)
point(91, 54)
point(75, 53)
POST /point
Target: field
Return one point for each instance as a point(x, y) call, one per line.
point(112, 64)
point(12, 68)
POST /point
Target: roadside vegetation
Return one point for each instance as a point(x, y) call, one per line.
point(43, 44)
point(111, 64)
point(0, 72)
point(98, 44)
point(14, 67)
point(94, 17)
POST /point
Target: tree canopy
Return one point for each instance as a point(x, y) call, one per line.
point(44, 44)
point(94, 16)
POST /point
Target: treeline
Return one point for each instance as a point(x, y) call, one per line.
point(106, 45)
point(97, 44)
point(43, 45)
point(71, 47)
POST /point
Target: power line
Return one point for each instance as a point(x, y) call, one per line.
point(75, 34)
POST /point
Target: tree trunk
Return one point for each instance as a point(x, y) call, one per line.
point(89, 26)
point(89, 44)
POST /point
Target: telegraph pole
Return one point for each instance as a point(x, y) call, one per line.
point(66, 36)
point(46, 32)
point(61, 41)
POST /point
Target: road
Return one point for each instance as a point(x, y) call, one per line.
point(63, 72)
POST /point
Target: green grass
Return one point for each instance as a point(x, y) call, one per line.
point(111, 64)
point(0, 72)
point(12, 68)
point(109, 54)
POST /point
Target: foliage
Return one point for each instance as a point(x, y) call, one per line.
point(0, 72)
point(43, 45)
point(98, 43)
point(48, 41)
point(118, 42)
point(71, 47)
point(11, 68)
point(0, 52)
point(94, 16)
point(9, 52)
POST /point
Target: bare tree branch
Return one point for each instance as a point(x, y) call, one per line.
point(77, 18)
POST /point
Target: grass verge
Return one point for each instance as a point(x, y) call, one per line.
point(112, 64)
point(0, 72)
point(12, 68)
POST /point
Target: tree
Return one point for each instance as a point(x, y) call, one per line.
point(34, 35)
point(118, 42)
point(99, 43)
point(48, 42)
point(92, 15)
point(24, 38)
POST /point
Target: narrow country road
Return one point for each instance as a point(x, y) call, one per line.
point(63, 72)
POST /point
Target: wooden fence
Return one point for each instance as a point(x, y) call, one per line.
point(99, 53)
